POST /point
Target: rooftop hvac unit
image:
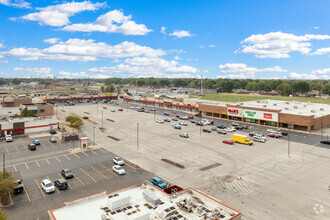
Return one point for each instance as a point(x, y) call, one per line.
point(300, 113)
point(151, 198)
point(117, 202)
point(274, 104)
point(322, 109)
point(296, 107)
point(286, 108)
point(287, 102)
point(305, 105)
point(258, 101)
point(313, 111)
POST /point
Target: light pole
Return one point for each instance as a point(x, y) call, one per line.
point(4, 166)
point(102, 118)
point(137, 136)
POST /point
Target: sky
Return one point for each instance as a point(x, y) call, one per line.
point(236, 39)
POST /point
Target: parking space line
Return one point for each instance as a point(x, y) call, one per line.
point(108, 169)
point(93, 152)
point(15, 168)
point(67, 157)
point(58, 159)
point(80, 181)
point(67, 182)
point(37, 163)
point(42, 145)
point(40, 188)
point(27, 194)
point(53, 184)
point(76, 155)
point(47, 161)
point(88, 175)
point(99, 172)
point(16, 149)
point(27, 166)
point(25, 148)
point(85, 154)
point(7, 150)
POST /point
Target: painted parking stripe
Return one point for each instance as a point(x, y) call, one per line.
point(47, 161)
point(7, 150)
point(93, 152)
point(80, 181)
point(53, 184)
point(37, 163)
point(76, 155)
point(26, 166)
point(88, 175)
point(40, 188)
point(99, 172)
point(85, 154)
point(108, 169)
point(15, 168)
point(58, 159)
point(67, 157)
point(16, 149)
point(26, 193)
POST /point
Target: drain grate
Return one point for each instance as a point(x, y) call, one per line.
point(210, 166)
point(114, 138)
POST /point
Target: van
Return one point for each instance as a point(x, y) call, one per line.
point(259, 138)
point(9, 138)
point(243, 139)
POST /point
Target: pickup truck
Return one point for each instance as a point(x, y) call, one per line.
point(259, 139)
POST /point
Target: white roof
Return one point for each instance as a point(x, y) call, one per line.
point(133, 205)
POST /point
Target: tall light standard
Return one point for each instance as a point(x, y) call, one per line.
point(102, 118)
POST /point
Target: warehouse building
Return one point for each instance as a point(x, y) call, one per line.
point(145, 201)
point(14, 101)
point(77, 97)
point(21, 126)
point(40, 109)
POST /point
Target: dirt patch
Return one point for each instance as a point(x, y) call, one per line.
point(114, 138)
point(110, 120)
point(173, 163)
point(87, 113)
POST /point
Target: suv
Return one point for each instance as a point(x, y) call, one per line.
point(9, 138)
point(221, 131)
point(159, 182)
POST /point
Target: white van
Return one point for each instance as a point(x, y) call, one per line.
point(9, 138)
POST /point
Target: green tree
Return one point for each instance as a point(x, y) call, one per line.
point(118, 89)
point(164, 82)
point(7, 184)
point(112, 88)
point(26, 113)
point(252, 86)
point(102, 89)
point(3, 215)
point(326, 89)
point(74, 121)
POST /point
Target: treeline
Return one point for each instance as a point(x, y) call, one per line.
point(284, 87)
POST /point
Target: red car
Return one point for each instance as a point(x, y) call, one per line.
point(239, 127)
point(228, 142)
point(190, 117)
point(273, 135)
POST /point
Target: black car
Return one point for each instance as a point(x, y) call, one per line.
point(327, 141)
point(61, 184)
point(67, 174)
point(245, 126)
point(198, 115)
point(207, 130)
point(221, 126)
point(284, 133)
point(52, 131)
point(166, 113)
point(167, 120)
point(19, 188)
point(32, 147)
point(193, 121)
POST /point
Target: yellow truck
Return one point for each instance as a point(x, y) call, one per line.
point(243, 139)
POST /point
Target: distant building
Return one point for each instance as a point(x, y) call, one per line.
point(9, 100)
point(40, 109)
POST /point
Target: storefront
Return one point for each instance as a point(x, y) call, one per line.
point(234, 113)
point(260, 117)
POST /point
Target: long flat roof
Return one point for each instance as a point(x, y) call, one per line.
point(144, 201)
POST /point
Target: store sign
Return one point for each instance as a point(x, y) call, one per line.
point(235, 111)
point(260, 115)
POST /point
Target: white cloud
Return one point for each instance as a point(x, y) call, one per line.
point(69, 75)
point(235, 76)
point(1, 45)
point(316, 27)
point(58, 15)
point(34, 70)
point(184, 75)
point(304, 76)
point(177, 57)
point(163, 30)
point(322, 51)
point(83, 50)
point(201, 46)
point(112, 22)
point(181, 34)
point(212, 45)
point(206, 71)
point(16, 3)
point(278, 44)
point(51, 40)
point(325, 71)
point(146, 67)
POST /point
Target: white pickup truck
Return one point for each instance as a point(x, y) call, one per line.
point(259, 138)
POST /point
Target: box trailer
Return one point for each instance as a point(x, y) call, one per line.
point(243, 139)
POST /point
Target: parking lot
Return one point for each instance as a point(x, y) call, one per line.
point(245, 177)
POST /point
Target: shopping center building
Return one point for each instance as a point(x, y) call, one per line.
point(77, 97)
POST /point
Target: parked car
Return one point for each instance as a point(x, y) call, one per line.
point(36, 142)
point(167, 120)
point(132, 107)
point(166, 113)
point(117, 103)
point(185, 118)
point(140, 110)
point(221, 131)
point(190, 117)
point(160, 121)
point(177, 127)
point(19, 188)
point(52, 131)
point(118, 161)
point(66, 104)
point(221, 126)
point(325, 141)
point(273, 135)
point(234, 124)
point(230, 129)
point(9, 138)
point(158, 182)
point(47, 186)
point(174, 119)
point(184, 135)
point(245, 126)
point(112, 110)
point(66, 173)
point(198, 115)
point(207, 130)
point(118, 169)
point(228, 142)
point(120, 109)
point(284, 133)
point(259, 138)
point(32, 147)
point(199, 123)
point(214, 128)
point(183, 123)
point(271, 131)
point(61, 184)
point(239, 128)
point(52, 140)
point(146, 111)
point(253, 133)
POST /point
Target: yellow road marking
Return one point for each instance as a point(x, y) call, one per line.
point(88, 175)
point(39, 188)
point(27, 194)
point(108, 169)
point(67, 182)
point(99, 172)
point(53, 184)
point(80, 181)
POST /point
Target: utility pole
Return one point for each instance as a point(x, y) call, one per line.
point(201, 85)
point(102, 118)
point(200, 128)
point(154, 114)
point(137, 136)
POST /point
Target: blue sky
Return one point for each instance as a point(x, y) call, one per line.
point(283, 39)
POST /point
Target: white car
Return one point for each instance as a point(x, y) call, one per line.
point(9, 138)
point(271, 131)
point(173, 125)
point(185, 135)
point(160, 121)
point(118, 169)
point(47, 186)
point(132, 107)
point(183, 123)
point(230, 129)
point(118, 161)
point(259, 139)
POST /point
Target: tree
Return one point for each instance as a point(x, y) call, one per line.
point(326, 89)
point(111, 88)
point(252, 86)
point(118, 89)
point(102, 89)
point(3, 215)
point(26, 113)
point(7, 184)
point(74, 121)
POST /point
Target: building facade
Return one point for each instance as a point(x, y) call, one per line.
point(40, 109)
point(14, 101)
point(77, 97)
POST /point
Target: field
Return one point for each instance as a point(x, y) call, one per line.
point(231, 97)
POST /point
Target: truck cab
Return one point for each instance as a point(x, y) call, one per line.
point(159, 182)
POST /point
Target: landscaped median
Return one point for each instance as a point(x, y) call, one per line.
point(86, 118)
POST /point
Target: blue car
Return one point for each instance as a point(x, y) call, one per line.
point(36, 142)
point(159, 182)
point(177, 127)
